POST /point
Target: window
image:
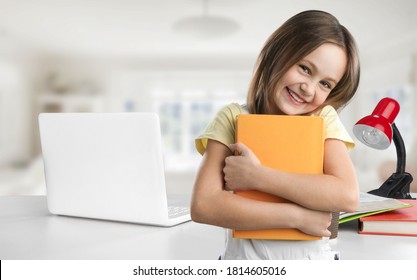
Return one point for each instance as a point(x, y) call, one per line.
point(181, 122)
point(185, 102)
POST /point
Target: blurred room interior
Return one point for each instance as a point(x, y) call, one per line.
point(183, 59)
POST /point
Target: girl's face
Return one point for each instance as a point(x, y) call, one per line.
point(306, 85)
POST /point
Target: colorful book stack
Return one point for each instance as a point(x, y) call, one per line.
point(396, 222)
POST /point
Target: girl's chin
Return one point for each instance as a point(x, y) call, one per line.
point(291, 110)
point(287, 106)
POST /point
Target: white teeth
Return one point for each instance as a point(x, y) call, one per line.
point(294, 96)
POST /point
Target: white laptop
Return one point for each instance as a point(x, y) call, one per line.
point(107, 166)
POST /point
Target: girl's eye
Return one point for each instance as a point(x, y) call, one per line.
point(305, 69)
point(325, 84)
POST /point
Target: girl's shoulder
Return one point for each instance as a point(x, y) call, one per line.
point(230, 111)
point(333, 126)
point(234, 108)
point(326, 111)
point(221, 128)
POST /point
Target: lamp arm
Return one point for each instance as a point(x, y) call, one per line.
point(400, 148)
point(398, 184)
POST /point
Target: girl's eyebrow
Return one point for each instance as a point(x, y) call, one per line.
point(315, 69)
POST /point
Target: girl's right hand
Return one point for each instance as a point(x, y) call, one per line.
point(239, 167)
point(315, 222)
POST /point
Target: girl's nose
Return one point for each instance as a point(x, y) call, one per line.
point(307, 88)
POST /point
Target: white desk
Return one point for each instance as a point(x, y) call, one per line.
point(29, 231)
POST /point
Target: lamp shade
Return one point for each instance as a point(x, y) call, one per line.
point(375, 130)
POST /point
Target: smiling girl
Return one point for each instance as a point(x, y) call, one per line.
point(308, 66)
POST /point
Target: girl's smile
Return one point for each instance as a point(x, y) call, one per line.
point(294, 97)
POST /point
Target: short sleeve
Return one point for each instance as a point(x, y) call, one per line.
point(334, 128)
point(221, 128)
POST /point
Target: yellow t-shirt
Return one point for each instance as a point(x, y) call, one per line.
point(222, 128)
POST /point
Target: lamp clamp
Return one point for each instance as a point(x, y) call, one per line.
point(396, 186)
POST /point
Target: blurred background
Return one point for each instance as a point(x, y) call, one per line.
point(183, 59)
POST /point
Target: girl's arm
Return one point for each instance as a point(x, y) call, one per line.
point(213, 205)
point(336, 190)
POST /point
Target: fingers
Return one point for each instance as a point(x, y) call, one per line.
point(234, 149)
point(324, 227)
point(239, 149)
point(327, 232)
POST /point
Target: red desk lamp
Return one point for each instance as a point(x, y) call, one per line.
point(376, 131)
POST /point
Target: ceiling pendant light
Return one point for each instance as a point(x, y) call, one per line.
point(205, 25)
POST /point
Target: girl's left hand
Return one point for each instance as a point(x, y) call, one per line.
point(239, 168)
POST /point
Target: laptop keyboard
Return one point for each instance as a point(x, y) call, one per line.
point(176, 211)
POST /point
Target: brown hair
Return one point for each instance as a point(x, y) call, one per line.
point(290, 43)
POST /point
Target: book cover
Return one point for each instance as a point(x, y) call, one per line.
point(370, 204)
point(396, 222)
point(289, 143)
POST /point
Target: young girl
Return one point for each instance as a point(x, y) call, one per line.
point(309, 66)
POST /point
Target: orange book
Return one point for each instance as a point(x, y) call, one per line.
point(289, 143)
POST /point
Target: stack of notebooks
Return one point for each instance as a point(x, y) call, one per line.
point(401, 221)
point(384, 216)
